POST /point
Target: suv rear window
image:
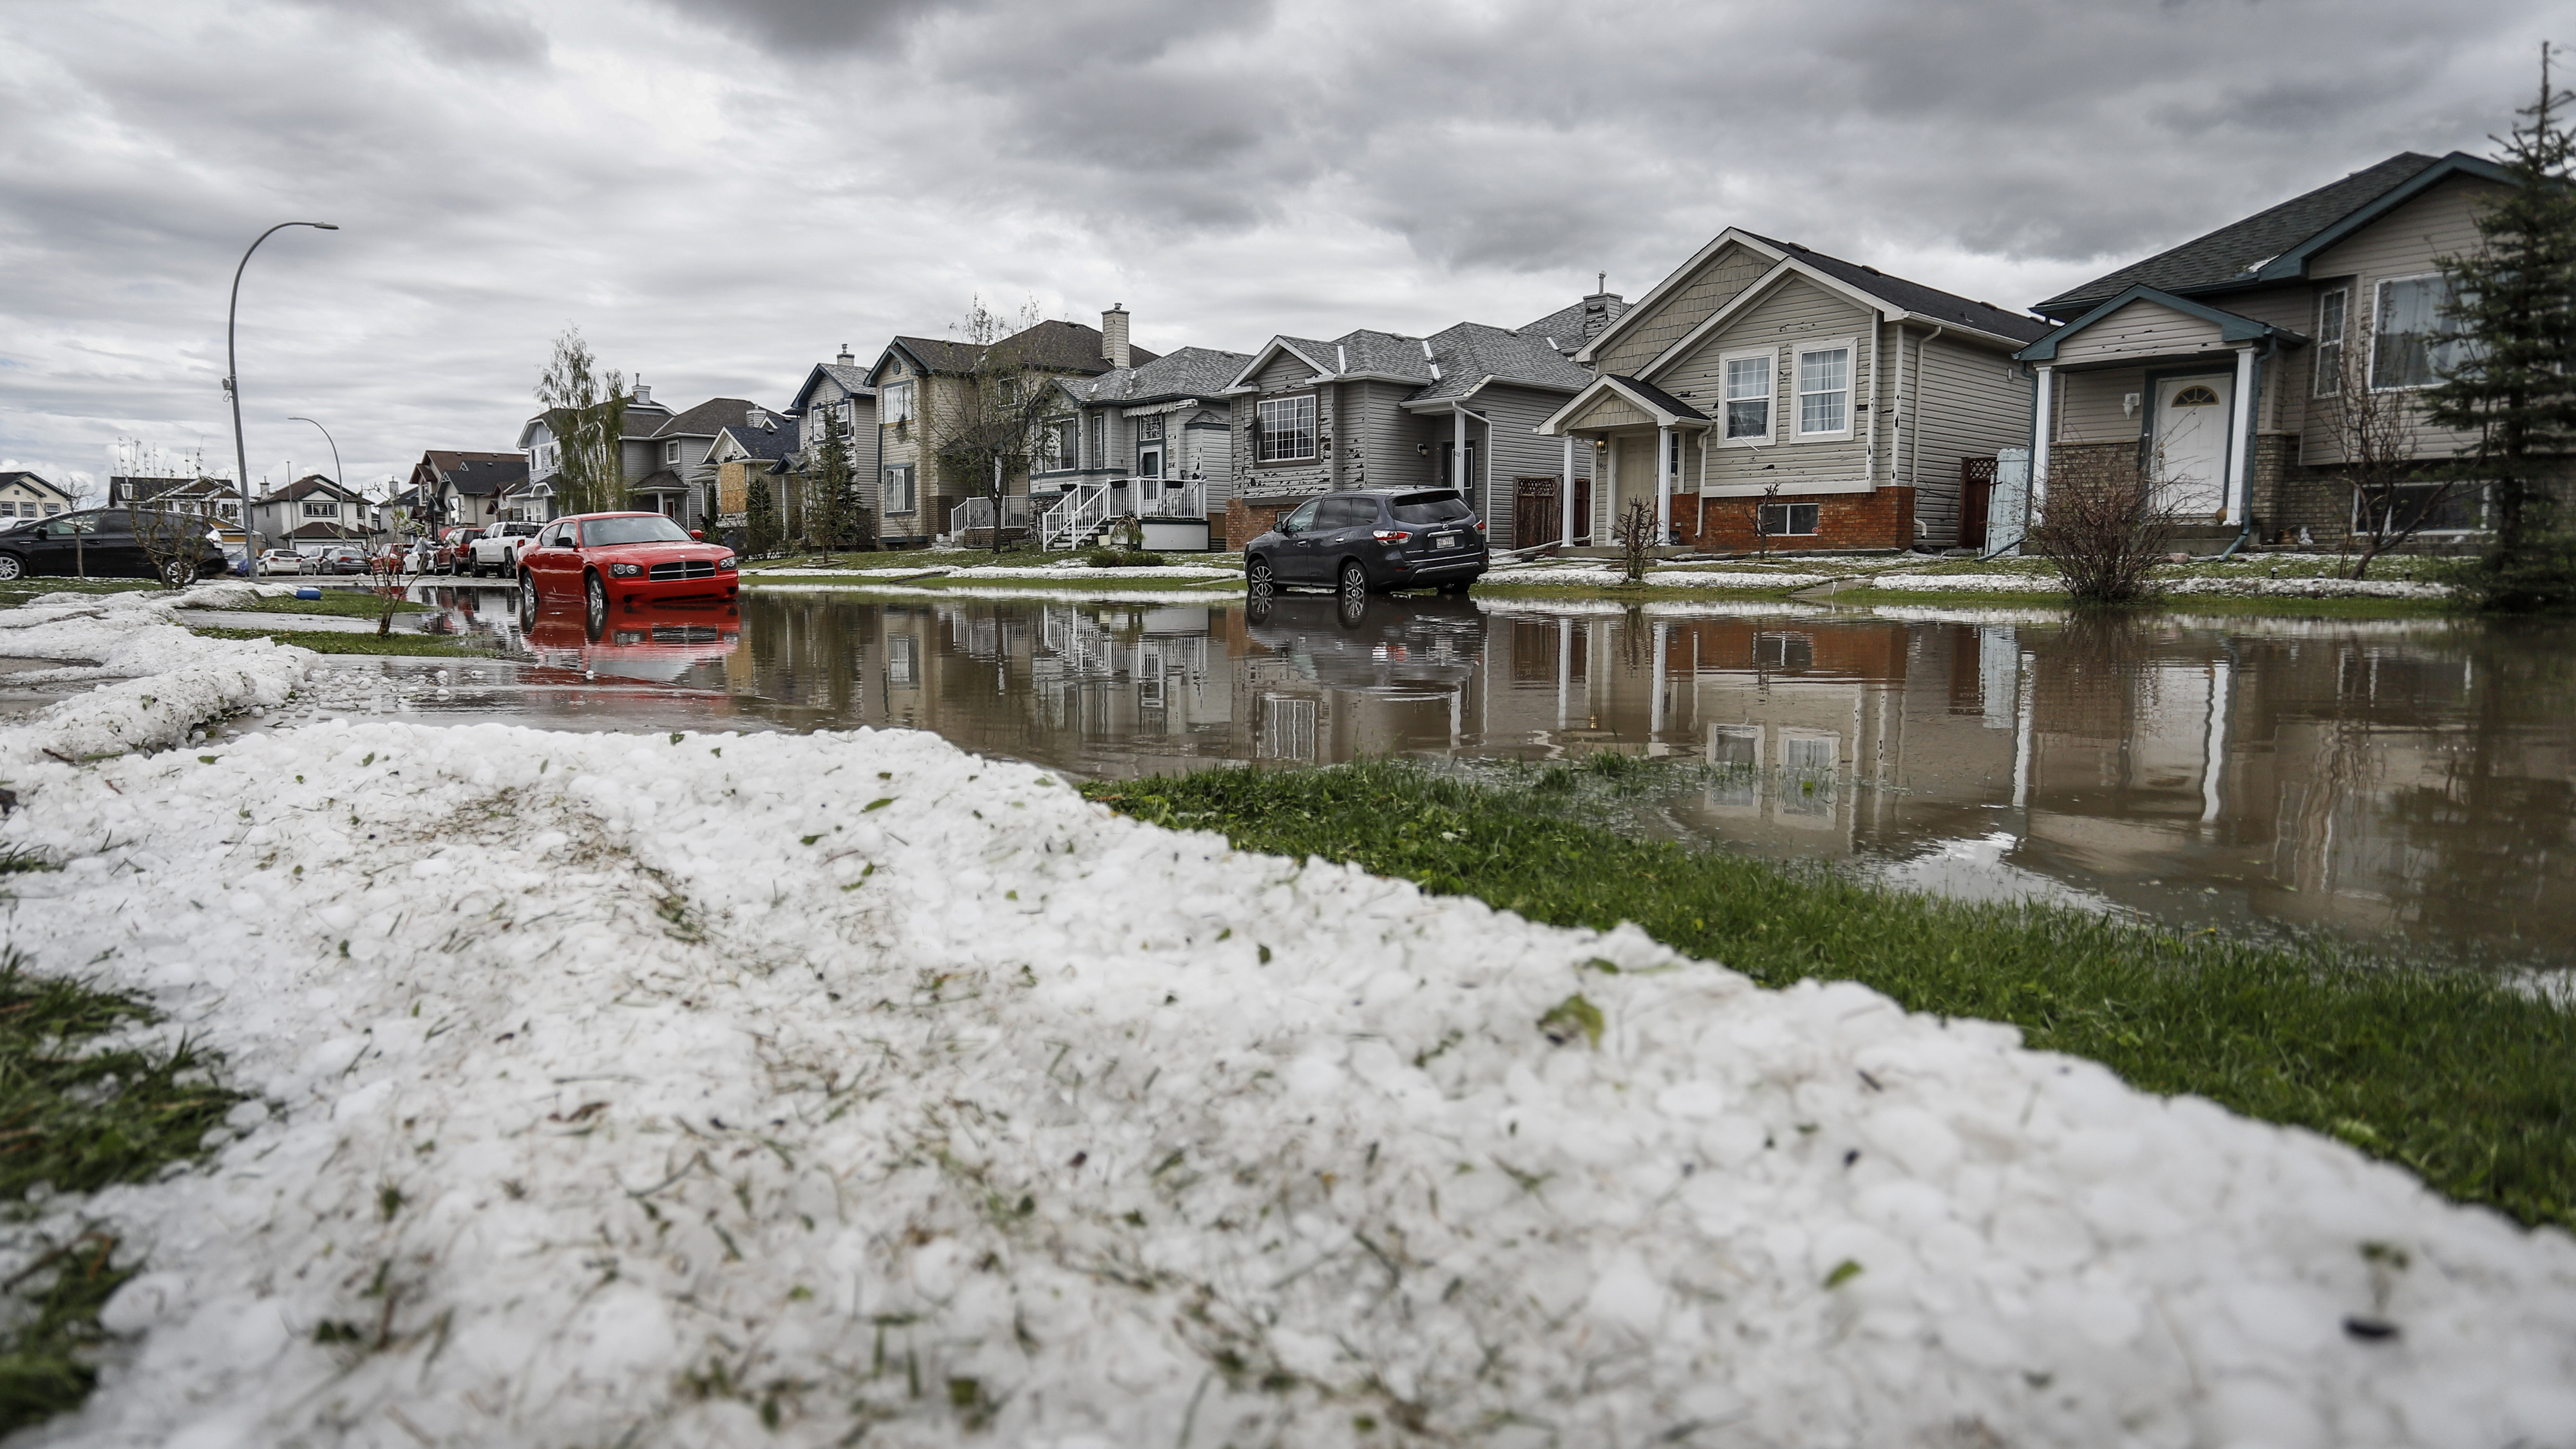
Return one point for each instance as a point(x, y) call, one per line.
point(1432, 508)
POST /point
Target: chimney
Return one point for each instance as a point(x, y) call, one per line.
point(643, 394)
point(1113, 335)
point(756, 417)
point(845, 359)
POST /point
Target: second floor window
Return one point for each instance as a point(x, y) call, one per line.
point(314, 508)
point(1824, 391)
point(2331, 307)
point(894, 405)
point(2407, 348)
point(670, 452)
point(1748, 398)
point(1287, 428)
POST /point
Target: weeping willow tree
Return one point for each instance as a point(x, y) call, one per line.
point(586, 412)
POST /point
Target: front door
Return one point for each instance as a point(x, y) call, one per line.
point(2187, 452)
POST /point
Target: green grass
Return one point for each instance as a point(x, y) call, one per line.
point(332, 641)
point(80, 1113)
point(2448, 1072)
point(2214, 604)
point(19, 592)
point(339, 603)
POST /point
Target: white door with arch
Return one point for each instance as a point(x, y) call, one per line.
point(2188, 453)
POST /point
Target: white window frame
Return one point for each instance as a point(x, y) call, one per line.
point(1788, 515)
point(2378, 304)
point(671, 451)
point(1770, 358)
point(897, 483)
point(2330, 351)
point(2482, 494)
point(321, 508)
point(1849, 347)
point(895, 404)
point(1060, 431)
point(1294, 403)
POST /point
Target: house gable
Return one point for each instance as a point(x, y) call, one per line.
point(1708, 281)
point(1790, 294)
point(2144, 322)
point(1279, 364)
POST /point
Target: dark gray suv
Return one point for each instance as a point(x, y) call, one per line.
point(1372, 539)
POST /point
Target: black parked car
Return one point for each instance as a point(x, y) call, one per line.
point(1373, 539)
point(101, 543)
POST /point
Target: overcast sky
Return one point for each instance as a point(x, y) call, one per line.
point(722, 192)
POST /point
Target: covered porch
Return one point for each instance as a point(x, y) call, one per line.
point(2163, 393)
point(1641, 439)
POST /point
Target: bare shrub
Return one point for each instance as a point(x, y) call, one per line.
point(2374, 430)
point(2101, 527)
point(1635, 535)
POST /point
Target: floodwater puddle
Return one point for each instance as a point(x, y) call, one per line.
point(2411, 778)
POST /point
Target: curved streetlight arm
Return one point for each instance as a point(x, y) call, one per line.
point(232, 389)
point(337, 476)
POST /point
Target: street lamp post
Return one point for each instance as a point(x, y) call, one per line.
point(338, 477)
point(232, 389)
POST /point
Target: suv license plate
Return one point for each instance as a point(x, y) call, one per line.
point(1444, 540)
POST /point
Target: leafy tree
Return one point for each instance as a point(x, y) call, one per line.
point(761, 531)
point(586, 409)
point(2513, 307)
point(997, 421)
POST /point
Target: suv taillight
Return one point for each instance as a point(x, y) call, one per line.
point(1391, 535)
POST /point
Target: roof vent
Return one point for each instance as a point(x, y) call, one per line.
point(1873, 271)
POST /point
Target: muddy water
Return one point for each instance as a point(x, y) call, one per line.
point(2414, 779)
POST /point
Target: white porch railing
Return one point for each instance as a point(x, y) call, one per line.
point(978, 513)
point(1086, 509)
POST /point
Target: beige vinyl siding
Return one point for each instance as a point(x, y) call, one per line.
point(1967, 402)
point(2293, 309)
point(2404, 243)
point(2088, 405)
point(1514, 449)
point(1794, 313)
point(1716, 283)
point(2141, 329)
point(1611, 411)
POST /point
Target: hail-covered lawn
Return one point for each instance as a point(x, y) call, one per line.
point(654, 1089)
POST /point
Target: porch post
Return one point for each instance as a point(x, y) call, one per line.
point(1458, 449)
point(1565, 496)
point(2240, 447)
point(1663, 485)
point(2040, 428)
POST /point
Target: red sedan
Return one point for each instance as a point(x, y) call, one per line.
point(598, 557)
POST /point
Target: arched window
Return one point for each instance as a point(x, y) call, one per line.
point(2196, 396)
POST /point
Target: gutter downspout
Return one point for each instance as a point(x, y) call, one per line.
point(2253, 429)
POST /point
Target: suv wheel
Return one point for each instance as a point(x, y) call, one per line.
point(1354, 578)
point(10, 567)
point(1257, 575)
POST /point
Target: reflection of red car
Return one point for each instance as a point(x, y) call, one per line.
point(634, 557)
point(644, 642)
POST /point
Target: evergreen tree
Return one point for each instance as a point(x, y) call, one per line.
point(833, 504)
point(2513, 309)
point(760, 517)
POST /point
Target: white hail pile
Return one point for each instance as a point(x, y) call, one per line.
point(1582, 577)
point(650, 1089)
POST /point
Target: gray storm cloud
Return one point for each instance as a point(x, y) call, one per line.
point(723, 191)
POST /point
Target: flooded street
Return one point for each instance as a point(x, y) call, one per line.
point(2408, 778)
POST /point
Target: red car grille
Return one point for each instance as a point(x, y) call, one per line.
point(695, 568)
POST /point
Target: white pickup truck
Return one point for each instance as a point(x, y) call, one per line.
point(498, 550)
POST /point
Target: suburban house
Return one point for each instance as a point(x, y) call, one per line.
point(839, 389)
point(922, 386)
point(313, 512)
point(743, 452)
point(2218, 373)
point(1154, 438)
point(27, 495)
point(451, 487)
point(1767, 394)
point(1460, 408)
point(541, 453)
point(217, 500)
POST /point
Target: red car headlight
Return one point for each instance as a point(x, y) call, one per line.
point(725, 565)
point(624, 571)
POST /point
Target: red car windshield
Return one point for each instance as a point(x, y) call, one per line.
point(649, 528)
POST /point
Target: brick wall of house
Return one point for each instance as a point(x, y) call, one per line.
point(1248, 520)
point(1880, 518)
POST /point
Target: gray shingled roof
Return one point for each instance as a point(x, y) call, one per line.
point(1578, 324)
point(1917, 298)
point(1657, 396)
point(1057, 345)
point(479, 474)
point(1184, 372)
point(709, 417)
point(770, 443)
point(2226, 256)
point(1471, 352)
